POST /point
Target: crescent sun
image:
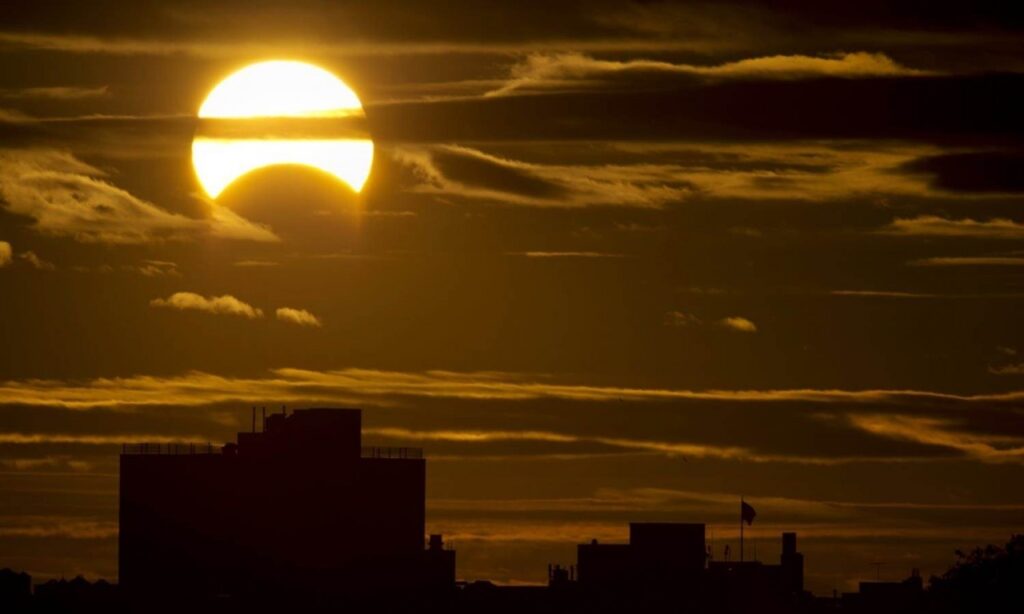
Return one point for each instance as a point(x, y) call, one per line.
point(281, 112)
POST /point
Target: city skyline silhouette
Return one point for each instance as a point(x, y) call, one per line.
point(298, 513)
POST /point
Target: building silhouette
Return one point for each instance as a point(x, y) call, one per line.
point(883, 597)
point(657, 552)
point(298, 507)
point(299, 515)
point(667, 565)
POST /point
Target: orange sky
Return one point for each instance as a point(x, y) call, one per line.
point(614, 261)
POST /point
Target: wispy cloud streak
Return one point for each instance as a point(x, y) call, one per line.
point(290, 384)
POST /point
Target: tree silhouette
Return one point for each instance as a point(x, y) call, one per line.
point(989, 579)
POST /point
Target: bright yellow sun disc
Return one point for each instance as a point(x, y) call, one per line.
point(272, 91)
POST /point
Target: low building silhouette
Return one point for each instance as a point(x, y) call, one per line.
point(299, 507)
point(657, 552)
point(884, 597)
point(740, 579)
point(667, 564)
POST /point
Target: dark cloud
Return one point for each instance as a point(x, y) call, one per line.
point(478, 171)
point(977, 172)
point(973, 109)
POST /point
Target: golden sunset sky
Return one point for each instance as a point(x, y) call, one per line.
point(614, 261)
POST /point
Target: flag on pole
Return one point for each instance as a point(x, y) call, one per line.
point(747, 512)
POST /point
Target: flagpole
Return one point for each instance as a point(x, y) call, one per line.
point(741, 529)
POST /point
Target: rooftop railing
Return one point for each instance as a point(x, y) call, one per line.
point(390, 452)
point(188, 449)
point(170, 449)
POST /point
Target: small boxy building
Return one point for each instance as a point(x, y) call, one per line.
point(297, 506)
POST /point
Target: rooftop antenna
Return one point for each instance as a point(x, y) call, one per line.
point(711, 550)
point(878, 569)
point(264, 418)
point(253, 418)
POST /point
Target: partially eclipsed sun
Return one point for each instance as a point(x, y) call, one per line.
point(280, 112)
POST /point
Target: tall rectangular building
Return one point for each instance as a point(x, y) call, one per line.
point(298, 506)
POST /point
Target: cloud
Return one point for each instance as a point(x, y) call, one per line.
point(709, 502)
point(19, 117)
point(225, 304)
point(542, 254)
point(467, 426)
point(516, 182)
point(682, 319)
point(66, 529)
point(738, 324)
point(69, 198)
point(969, 261)
point(62, 462)
point(155, 268)
point(965, 111)
point(943, 433)
point(12, 116)
point(37, 262)
point(568, 186)
point(655, 175)
point(94, 439)
point(678, 318)
point(289, 385)
point(981, 172)
point(643, 446)
point(298, 316)
point(224, 223)
point(56, 93)
point(661, 447)
point(575, 70)
point(1017, 369)
point(197, 47)
point(256, 263)
point(6, 253)
point(474, 168)
point(883, 294)
point(935, 226)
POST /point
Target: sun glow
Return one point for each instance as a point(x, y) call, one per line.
point(254, 106)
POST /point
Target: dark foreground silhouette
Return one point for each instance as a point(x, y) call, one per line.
point(299, 517)
point(988, 579)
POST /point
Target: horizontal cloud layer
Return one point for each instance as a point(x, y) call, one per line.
point(575, 70)
point(654, 175)
point(936, 226)
point(930, 420)
point(969, 261)
point(288, 384)
point(56, 92)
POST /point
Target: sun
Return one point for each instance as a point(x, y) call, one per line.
point(281, 112)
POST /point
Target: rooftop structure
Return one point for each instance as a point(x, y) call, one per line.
point(298, 505)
